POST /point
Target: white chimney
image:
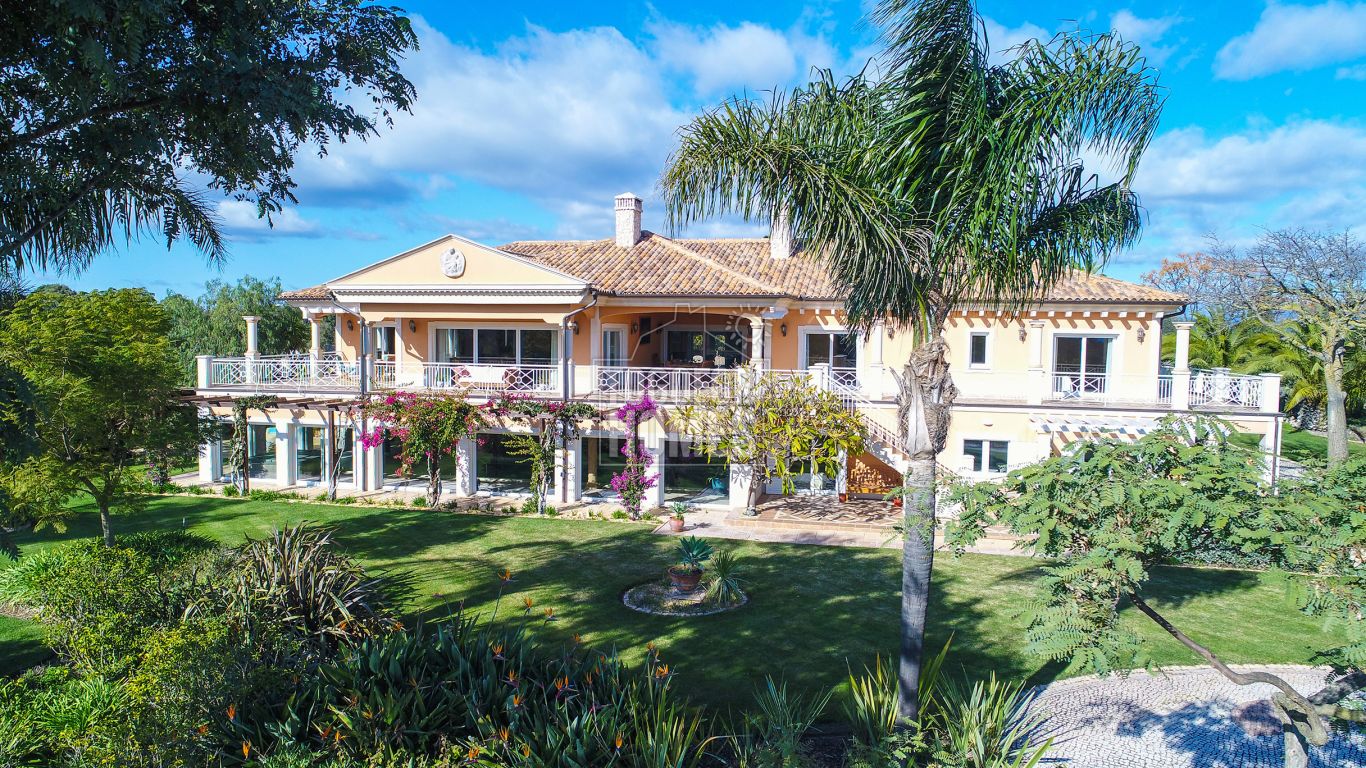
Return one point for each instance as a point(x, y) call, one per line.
point(628, 219)
point(780, 239)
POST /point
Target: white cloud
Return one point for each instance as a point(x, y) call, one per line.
point(722, 58)
point(240, 218)
point(1002, 38)
point(1352, 73)
point(1295, 38)
point(1188, 165)
point(1147, 33)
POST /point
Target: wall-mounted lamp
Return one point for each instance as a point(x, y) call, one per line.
point(1023, 334)
point(412, 326)
point(350, 325)
point(783, 328)
point(1142, 334)
point(635, 327)
point(573, 326)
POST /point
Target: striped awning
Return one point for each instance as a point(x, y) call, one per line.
point(1095, 424)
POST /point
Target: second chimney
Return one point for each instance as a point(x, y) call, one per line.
point(780, 239)
point(628, 219)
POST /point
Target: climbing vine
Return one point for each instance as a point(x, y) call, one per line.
point(553, 426)
point(633, 480)
point(239, 459)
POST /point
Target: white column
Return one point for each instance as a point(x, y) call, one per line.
point(253, 349)
point(315, 340)
point(374, 467)
point(820, 375)
point(253, 335)
point(1271, 393)
point(329, 456)
point(466, 483)
point(741, 478)
point(567, 461)
point(210, 461)
point(1183, 346)
point(203, 371)
point(842, 474)
point(871, 376)
point(1181, 372)
point(284, 452)
point(756, 341)
point(655, 443)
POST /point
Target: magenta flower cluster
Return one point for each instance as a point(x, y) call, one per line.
point(633, 481)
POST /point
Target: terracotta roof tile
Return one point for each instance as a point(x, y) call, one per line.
point(315, 292)
point(660, 266)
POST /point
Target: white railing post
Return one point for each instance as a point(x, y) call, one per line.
point(1181, 390)
point(820, 374)
point(203, 370)
point(1271, 393)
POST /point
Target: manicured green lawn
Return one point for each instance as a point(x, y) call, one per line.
point(813, 609)
point(1298, 445)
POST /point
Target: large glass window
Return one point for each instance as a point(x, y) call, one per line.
point(1081, 365)
point(308, 455)
point(497, 346)
point(499, 471)
point(993, 454)
point(455, 345)
point(705, 347)
point(346, 442)
point(835, 349)
point(688, 472)
point(539, 347)
point(392, 456)
point(260, 450)
point(601, 460)
point(385, 342)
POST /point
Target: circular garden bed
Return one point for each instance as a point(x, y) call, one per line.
point(661, 599)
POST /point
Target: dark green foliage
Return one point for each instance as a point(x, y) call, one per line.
point(212, 323)
point(103, 397)
point(96, 601)
point(495, 692)
point(1108, 511)
point(723, 578)
point(693, 553)
point(117, 114)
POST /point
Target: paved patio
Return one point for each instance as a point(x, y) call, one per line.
point(1189, 717)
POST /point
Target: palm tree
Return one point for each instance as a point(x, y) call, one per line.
point(1222, 339)
point(941, 179)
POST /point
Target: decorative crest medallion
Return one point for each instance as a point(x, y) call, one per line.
point(453, 263)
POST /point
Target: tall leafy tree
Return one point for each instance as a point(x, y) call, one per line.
point(946, 179)
point(103, 390)
point(127, 117)
point(1295, 280)
point(212, 323)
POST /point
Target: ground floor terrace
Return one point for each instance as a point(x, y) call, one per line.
point(307, 445)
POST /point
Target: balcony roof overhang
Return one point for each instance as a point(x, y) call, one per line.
point(355, 295)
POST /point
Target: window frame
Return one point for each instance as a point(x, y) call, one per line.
point(475, 328)
point(985, 335)
point(984, 467)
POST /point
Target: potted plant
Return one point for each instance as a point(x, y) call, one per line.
point(692, 554)
point(676, 511)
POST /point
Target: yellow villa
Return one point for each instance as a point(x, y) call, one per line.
point(607, 320)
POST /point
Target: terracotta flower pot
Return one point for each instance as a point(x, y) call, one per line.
point(844, 497)
point(684, 580)
point(676, 524)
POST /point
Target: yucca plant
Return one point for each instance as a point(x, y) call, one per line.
point(988, 725)
point(723, 585)
point(871, 707)
point(780, 722)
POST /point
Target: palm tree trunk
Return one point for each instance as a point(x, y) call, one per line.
point(1336, 405)
point(927, 394)
point(917, 563)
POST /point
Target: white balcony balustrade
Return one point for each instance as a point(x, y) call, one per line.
point(329, 373)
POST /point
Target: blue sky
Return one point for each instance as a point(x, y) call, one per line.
point(532, 115)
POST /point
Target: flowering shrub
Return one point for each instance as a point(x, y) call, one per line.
point(553, 424)
point(427, 427)
point(633, 481)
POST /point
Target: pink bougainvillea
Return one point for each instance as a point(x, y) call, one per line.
point(633, 481)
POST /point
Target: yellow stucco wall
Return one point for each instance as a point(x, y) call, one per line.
point(483, 266)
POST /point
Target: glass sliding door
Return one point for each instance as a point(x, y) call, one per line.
point(260, 451)
point(308, 455)
point(1081, 365)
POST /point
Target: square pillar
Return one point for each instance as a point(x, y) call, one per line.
point(284, 453)
point(1183, 346)
point(211, 461)
point(567, 462)
point(374, 466)
point(842, 474)
point(741, 478)
point(1039, 380)
point(465, 483)
point(655, 443)
point(1271, 393)
point(203, 371)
